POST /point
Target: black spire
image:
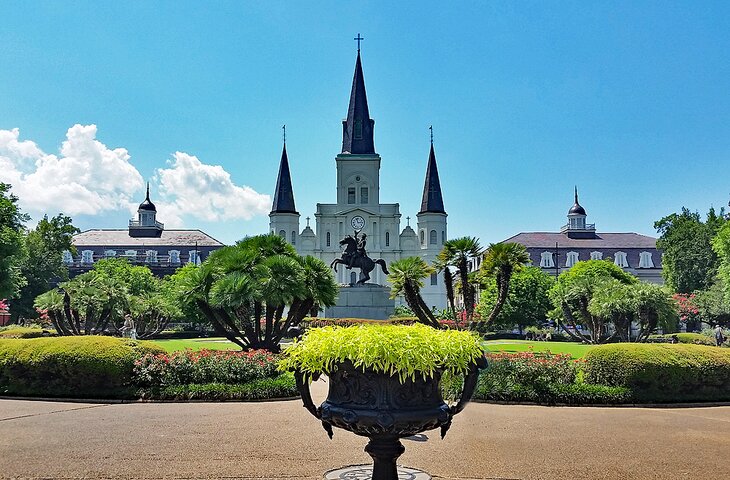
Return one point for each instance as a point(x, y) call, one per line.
point(576, 208)
point(147, 204)
point(284, 195)
point(357, 130)
point(432, 201)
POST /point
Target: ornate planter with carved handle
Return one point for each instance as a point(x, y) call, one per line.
point(384, 409)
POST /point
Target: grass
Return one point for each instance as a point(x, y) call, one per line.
point(576, 350)
point(212, 343)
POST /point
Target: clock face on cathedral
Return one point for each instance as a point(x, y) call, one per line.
point(357, 222)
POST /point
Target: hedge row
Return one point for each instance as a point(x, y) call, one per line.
point(282, 386)
point(660, 372)
point(23, 332)
point(92, 366)
point(694, 338)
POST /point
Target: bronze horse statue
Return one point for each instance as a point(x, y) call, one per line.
point(359, 260)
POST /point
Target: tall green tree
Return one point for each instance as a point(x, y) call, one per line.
point(43, 264)
point(527, 300)
point(406, 277)
point(721, 247)
point(688, 262)
point(12, 251)
point(254, 291)
point(459, 253)
point(501, 260)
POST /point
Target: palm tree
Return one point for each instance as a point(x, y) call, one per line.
point(406, 276)
point(458, 253)
point(501, 260)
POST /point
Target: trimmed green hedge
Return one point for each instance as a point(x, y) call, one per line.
point(661, 372)
point(22, 332)
point(85, 366)
point(694, 338)
point(282, 386)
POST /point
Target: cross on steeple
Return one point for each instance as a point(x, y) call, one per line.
point(358, 38)
point(408, 219)
point(307, 221)
point(431, 128)
point(283, 127)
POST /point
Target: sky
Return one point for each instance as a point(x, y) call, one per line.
point(629, 101)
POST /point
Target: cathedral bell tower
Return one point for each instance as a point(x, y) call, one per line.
point(284, 218)
point(432, 217)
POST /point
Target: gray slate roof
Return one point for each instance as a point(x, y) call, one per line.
point(602, 240)
point(432, 201)
point(121, 238)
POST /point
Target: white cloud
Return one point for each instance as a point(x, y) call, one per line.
point(88, 178)
point(191, 188)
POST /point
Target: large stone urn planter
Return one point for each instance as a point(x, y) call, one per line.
point(384, 409)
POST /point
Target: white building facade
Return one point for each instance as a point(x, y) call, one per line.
point(358, 195)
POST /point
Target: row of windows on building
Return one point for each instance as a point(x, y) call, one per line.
point(620, 258)
point(351, 195)
point(150, 256)
point(432, 237)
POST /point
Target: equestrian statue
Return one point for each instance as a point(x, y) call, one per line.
point(355, 256)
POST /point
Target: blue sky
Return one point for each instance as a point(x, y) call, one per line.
point(628, 100)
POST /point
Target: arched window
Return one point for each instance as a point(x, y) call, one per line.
point(432, 237)
point(329, 239)
point(645, 260)
point(546, 260)
point(282, 234)
point(293, 237)
point(174, 256)
point(596, 255)
point(353, 278)
point(87, 256)
point(350, 195)
point(423, 237)
point(620, 259)
point(363, 194)
point(571, 259)
point(387, 239)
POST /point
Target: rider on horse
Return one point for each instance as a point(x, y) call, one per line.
point(360, 252)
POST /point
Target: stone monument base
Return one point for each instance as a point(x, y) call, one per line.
point(369, 301)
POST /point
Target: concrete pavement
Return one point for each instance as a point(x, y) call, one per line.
point(280, 440)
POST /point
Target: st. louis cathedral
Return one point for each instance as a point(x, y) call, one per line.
point(358, 206)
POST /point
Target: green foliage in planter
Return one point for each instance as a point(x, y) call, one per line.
point(282, 386)
point(662, 373)
point(403, 350)
point(93, 366)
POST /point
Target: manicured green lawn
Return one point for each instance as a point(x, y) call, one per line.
point(212, 343)
point(577, 350)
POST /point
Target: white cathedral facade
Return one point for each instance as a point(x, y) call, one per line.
point(358, 199)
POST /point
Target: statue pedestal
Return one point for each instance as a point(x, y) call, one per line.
point(369, 301)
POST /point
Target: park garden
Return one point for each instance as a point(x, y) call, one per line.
point(234, 327)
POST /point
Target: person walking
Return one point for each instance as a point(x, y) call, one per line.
point(719, 337)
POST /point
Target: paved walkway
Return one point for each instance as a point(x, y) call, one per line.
point(280, 440)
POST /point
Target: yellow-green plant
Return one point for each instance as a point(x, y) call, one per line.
point(403, 350)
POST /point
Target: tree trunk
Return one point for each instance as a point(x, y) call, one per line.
point(449, 284)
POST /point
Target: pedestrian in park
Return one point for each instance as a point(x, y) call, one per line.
point(719, 337)
point(128, 330)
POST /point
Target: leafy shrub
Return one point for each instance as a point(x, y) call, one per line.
point(696, 338)
point(315, 322)
point(204, 367)
point(282, 386)
point(16, 331)
point(405, 350)
point(92, 366)
point(662, 373)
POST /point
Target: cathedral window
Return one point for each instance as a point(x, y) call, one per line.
point(282, 234)
point(174, 256)
point(645, 260)
point(353, 278)
point(293, 237)
point(110, 253)
point(87, 256)
point(329, 239)
point(546, 260)
point(387, 239)
point(596, 256)
point(151, 256)
point(620, 259)
point(571, 259)
point(434, 279)
point(363, 194)
point(423, 237)
point(358, 129)
point(67, 257)
point(432, 237)
point(351, 195)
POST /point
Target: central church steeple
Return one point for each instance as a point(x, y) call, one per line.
point(357, 129)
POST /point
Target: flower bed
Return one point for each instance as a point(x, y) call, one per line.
point(213, 375)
